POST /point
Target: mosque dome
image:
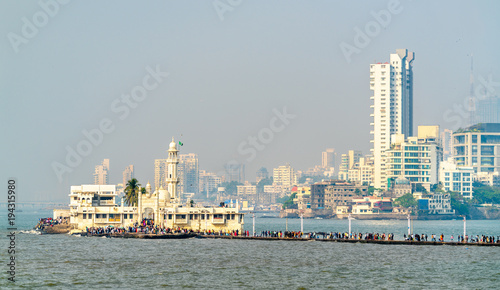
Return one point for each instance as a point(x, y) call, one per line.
point(401, 180)
point(172, 145)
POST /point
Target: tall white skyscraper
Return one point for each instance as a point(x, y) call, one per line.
point(392, 86)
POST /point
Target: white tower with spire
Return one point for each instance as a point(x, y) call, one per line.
point(172, 180)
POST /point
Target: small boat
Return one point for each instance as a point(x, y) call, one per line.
point(318, 218)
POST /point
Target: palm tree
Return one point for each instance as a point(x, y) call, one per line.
point(131, 192)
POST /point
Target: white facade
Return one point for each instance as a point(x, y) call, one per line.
point(349, 161)
point(439, 203)
point(416, 159)
point(456, 179)
point(488, 178)
point(285, 177)
point(95, 206)
point(247, 189)
point(392, 108)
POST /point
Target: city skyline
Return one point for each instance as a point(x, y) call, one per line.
point(217, 84)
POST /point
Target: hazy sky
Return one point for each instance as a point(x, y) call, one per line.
point(231, 66)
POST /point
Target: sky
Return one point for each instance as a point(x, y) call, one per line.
point(119, 79)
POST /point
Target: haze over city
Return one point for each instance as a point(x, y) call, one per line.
point(213, 77)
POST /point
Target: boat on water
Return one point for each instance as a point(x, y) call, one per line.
point(318, 218)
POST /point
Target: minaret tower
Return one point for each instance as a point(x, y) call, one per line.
point(172, 180)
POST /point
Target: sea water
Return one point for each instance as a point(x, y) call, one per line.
point(64, 261)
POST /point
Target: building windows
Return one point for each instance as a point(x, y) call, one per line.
point(490, 139)
point(487, 161)
point(487, 150)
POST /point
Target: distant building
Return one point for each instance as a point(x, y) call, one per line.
point(400, 186)
point(436, 203)
point(161, 171)
point(262, 174)
point(456, 179)
point(101, 173)
point(392, 108)
point(128, 174)
point(447, 143)
point(271, 193)
point(371, 205)
point(285, 177)
point(247, 189)
point(348, 162)
point(189, 173)
point(333, 193)
point(478, 147)
point(487, 178)
point(209, 181)
point(415, 158)
point(362, 171)
point(303, 197)
point(328, 158)
point(235, 172)
point(487, 110)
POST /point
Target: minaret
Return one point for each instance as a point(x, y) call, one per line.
point(172, 179)
point(148, 189)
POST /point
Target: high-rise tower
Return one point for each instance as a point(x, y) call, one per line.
point(172, 179)
point(392, 86)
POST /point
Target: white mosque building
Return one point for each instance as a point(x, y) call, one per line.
point(95, 206)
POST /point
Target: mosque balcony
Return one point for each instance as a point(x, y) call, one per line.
point(101, 221)
point(218, 221)
point(181, 219)
point(106, 202)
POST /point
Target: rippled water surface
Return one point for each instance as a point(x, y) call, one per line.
point(66, 261)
